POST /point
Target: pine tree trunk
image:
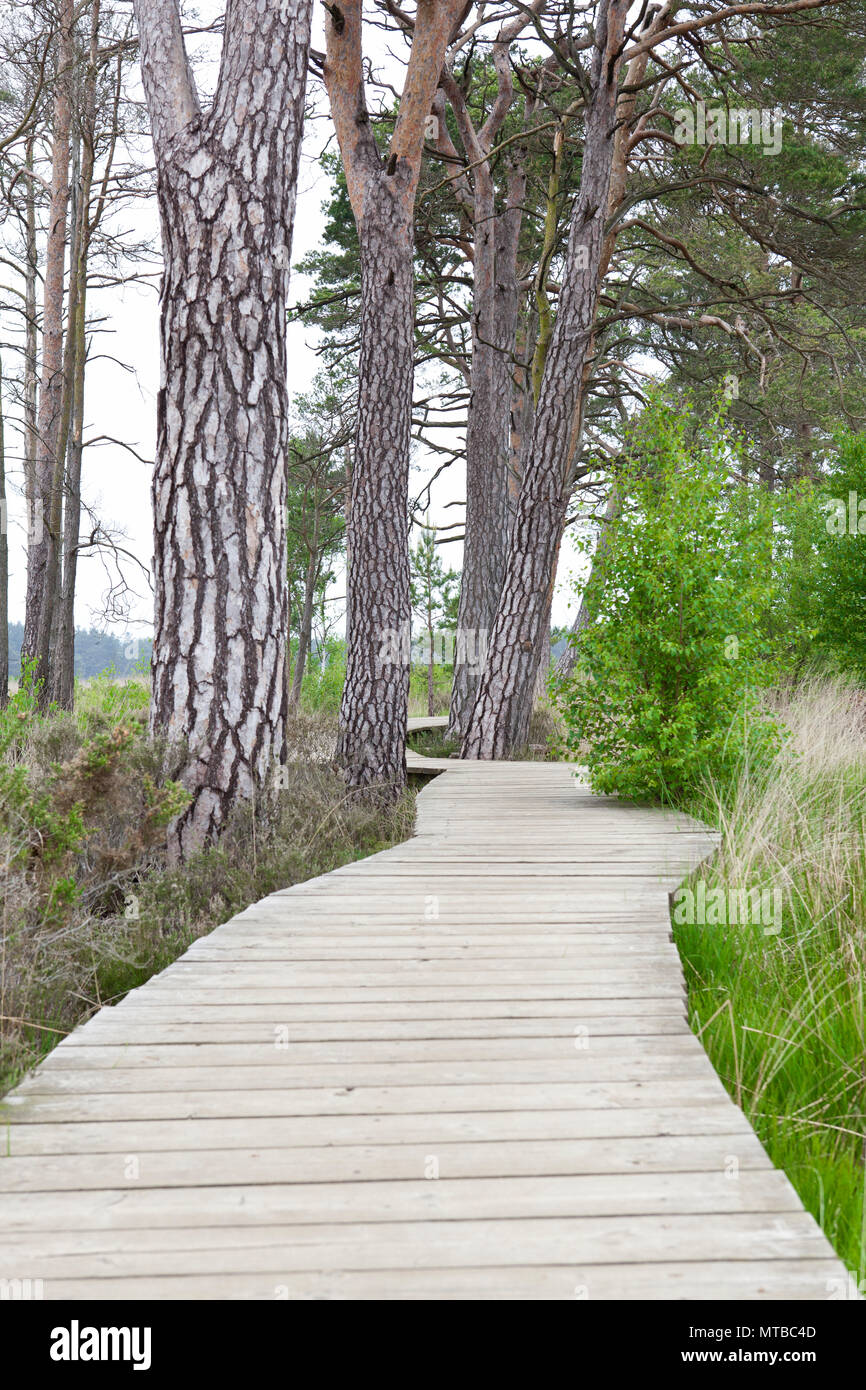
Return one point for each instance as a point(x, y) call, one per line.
point(513, 655)
point(488, 440)
point(42, 553)
point(226, 188)
point(31, 267)
point(63, 666)
point(85, 220)
point(372, 742)
point(4, 564)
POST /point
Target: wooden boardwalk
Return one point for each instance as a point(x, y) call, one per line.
point(458, 1069)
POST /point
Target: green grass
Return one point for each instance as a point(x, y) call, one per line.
point(432, 743)
point(782, 1016)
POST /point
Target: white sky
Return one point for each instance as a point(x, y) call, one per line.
point(121, 403)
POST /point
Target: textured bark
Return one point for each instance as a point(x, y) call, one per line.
point(624, 139)
point(371, 747)
point(42, 550)
point(522, 410)
point(63, 664)
point(488, 433)
point(87, 216)
point(4, 564)
point(30, 335)
point(56, 614)
point(495, 306)
point(226, 187)
point(534, 683)
point(514, 650)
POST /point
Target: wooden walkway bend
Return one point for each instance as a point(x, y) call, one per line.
point(458, 1069)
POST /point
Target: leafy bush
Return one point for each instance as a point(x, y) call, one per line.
point(840, 580)
point(664, 686)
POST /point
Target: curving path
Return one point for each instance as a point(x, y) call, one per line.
point(457, 1069)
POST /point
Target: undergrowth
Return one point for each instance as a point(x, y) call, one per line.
point(781, 1014)
point(90, 909)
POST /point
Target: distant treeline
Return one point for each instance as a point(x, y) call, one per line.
point(95, 652)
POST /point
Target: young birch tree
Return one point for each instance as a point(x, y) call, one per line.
point(226, 181)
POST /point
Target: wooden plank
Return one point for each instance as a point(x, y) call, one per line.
point(437, 991)
point(417, 1244)
point(634, 1010)
point(27, 1106)
point(748, 1280)
point(258, 949)
point(132, 1136)
point(140, 1028)
point(578, 1066)
point(373, 1164)
point(281, 1050)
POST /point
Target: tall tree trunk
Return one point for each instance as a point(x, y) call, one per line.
point(86, 220)
point(371, 745)
point(43, 548)
point(534, 685)
point(63, 671)
point(529, 675)
point(522, 409)
point(4, 563)
point(495, 304)
point(59, 516)
point(513, 655)
point(226, 185)
point(31, 339)
point(488, 434)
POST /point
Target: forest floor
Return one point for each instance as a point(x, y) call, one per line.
point(90, 908)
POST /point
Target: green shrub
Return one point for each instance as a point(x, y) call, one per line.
point(663, 691)
point(841, 575)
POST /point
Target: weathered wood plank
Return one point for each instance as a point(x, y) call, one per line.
point(751, 1280)
point(113, 1136)
point(32, 1105)
point(714, 1157)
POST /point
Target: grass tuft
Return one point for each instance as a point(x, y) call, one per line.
point(782, 1015)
